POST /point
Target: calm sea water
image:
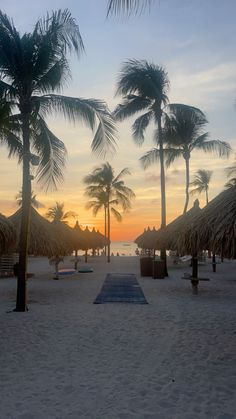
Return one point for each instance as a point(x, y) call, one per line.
point(125, 248)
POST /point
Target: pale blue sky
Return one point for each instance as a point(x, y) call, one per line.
point(193, 39)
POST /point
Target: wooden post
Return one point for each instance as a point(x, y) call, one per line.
point(213, 262)
point(194, 266)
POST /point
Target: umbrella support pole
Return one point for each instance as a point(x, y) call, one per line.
point(194, 266)
point(214, 262)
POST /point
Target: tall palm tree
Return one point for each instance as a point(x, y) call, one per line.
point(144, 88)
point(201, 182)
point(58, 215)
point(34, 67)
point(183, 133)
point(127, 6)
point(231, 171)
point(108, 190)
point(34, 202)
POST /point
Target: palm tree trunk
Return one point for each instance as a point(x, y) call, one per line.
point(163, 188)
point(108, 233)
point(21, 297)
point(105, 228)
point(187, 185)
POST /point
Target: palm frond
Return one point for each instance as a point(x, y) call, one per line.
point(171, 154)
point(140, 126)
point(152, 156)
point(221, 148)
point(124, 172)
point(54, 78)
point(52, 153)
point(88, 111)
point(61, 30)
point(197, 190)
point(130, 106)
point(116, 214)
point(127, 7)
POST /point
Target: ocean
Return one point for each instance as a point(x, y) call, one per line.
point(124, 248)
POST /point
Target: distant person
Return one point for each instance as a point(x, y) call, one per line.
point(117, 254)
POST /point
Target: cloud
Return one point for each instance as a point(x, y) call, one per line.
point(204, 87)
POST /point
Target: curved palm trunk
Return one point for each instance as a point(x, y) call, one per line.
point(163, 188)
point(108, 233)
point(21, 298)
point(186, 158)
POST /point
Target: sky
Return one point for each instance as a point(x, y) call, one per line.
point(195, 41)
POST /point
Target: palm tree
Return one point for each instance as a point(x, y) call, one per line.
point(108, 190)
point(34, 202)
point(144, 87)
point(231, 171)
point(127, 6)
point(58, 215)
point(184, 132)
point(201, 182)
point(34, 68)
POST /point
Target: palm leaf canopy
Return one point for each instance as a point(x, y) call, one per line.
point(215, 227)
point(144, 87)
point(44, 239)
point(7, 235)
point(184, 129)
point(34, 67)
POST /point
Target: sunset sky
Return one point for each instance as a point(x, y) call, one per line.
point(195, 42)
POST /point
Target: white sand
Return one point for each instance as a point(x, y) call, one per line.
point(174, 358)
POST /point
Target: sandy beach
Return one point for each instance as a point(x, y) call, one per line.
point(68, 358)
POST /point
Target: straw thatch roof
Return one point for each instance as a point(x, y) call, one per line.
point(44, 238)
point(7, 235)
point(215, 227)
point(98, 239)
point(147, 240)
point(170, 236)
point(79, 237)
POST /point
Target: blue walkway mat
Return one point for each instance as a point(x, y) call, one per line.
point(121, 288)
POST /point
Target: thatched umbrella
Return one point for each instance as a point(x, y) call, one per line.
point(214, 227)
point(170, 236)
point(146, 240)
point(87, 236)
point(44, 238)
point(97, 240)
point(79, 242)
point(7, 234)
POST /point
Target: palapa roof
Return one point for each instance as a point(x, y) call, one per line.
point(7, 235)
point(44, 237)
point(215, 227)
point(147, 240)
point(170, 236)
